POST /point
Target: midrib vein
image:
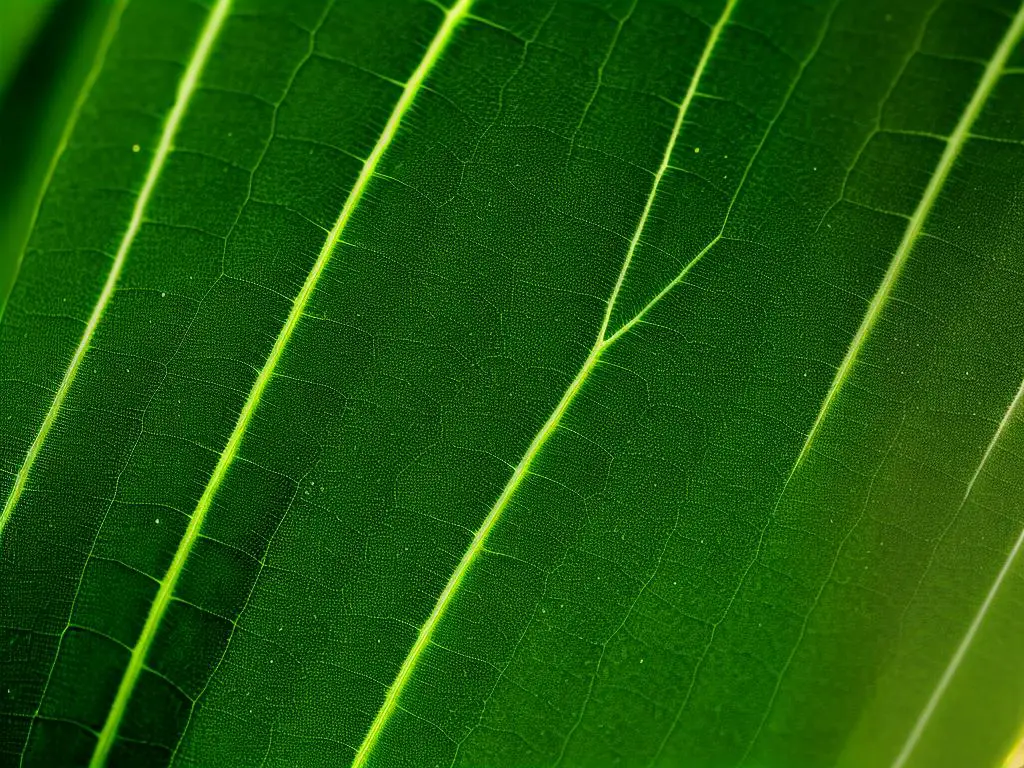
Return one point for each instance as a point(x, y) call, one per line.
point(170, 579)
point(522, 469)
point(156, 165)
point(954, 143)
point(979, 617)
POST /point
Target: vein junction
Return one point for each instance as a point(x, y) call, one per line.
point(114, 275)
point(452, 19)
point(522, 469)
point(954, 144)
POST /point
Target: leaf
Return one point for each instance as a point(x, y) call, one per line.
point(37, 96)
point(21, 19)
point(522, 384)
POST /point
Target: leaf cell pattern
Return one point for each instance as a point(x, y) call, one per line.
point(541, 383)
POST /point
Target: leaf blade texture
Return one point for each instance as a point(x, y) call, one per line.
point(502, 384)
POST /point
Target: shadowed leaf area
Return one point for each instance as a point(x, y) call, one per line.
point(582, 383)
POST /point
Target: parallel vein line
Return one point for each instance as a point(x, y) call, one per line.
point(152, 175)
point(170, 579)
point(186, 88)
point(954, 144)
point(965, 643)
point(914, 229)
point(915, 226)
point(823, 32)
point(99, 59)
point(522, 469)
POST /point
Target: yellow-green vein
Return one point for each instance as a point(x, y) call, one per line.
point(965, 642)
point(186, 88)
point(691, 92)
point(522, 469)
point(169, 581)
point(915, 226)
point(475, 547)
point(954, 143)
point(113, 23)
point(21, 478)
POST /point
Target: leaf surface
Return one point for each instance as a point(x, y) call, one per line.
point(46, 56)
point(522, 383)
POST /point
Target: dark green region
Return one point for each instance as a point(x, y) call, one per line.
point(667, 586)
point(41, 84)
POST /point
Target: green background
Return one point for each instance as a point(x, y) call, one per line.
point(668, 585)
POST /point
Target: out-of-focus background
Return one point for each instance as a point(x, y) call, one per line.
point(47, 48)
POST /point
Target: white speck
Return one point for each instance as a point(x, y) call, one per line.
point(641, 661)
point(136, 148)
point(163, 295)
point(158, 521)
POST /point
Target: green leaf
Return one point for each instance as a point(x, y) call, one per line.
point(37, 96)
point(522, 383)
point(19, 21)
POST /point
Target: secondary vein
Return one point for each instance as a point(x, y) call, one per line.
point(965, 643)
point(915, 226)
point(550, 426)
point(170, 579)
point(21, 478)
point(954, 144)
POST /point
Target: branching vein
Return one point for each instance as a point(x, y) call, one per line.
point(666, 158)
point(549, 427)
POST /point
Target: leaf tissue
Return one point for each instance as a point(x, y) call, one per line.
point(522, 383)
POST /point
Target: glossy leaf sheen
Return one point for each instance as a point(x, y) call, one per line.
point(514, 383)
